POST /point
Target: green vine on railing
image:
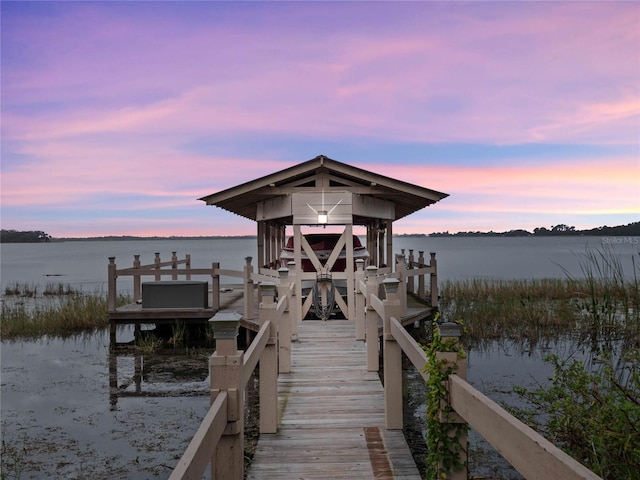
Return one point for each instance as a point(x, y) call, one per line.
point(443, 439)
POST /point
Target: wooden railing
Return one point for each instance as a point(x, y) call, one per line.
point(526, 450)
point(409, 269)
point(157, 270)
point(219, 440)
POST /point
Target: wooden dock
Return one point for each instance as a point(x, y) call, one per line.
point(331, 414)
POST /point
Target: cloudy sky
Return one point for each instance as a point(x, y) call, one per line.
point(118, 116)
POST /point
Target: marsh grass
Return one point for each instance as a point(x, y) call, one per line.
point(493, 308)
point(21, 290)
point(60, 289)
point(148, 343)
point(605, 303)
point(179, 334)
point(70, 313)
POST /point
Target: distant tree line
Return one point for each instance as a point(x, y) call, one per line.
point(15, 236)
point(632, 229)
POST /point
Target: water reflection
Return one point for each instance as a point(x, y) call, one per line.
point(71, 409)
point(139, 371)
point(157, 375)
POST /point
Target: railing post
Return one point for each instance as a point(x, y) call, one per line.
point(371, 320)
point(174, 265)
point(284, 324)
point(215, 285)
point(434, 280)
point(401, 270)
point(248, 289)
point(269, 362)
point(392, 358)
point(421, 293)
point(111, 284)
point(453, 331)
point(227, 462)
point(111, 299)
point(410, 278)
point(360, 325)
point(187, 266)
point(136, 279)
point(294, 306)
point(158, 266)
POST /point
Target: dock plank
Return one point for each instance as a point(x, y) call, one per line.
point(332, 415)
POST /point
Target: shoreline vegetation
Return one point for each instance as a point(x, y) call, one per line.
point(629, 230)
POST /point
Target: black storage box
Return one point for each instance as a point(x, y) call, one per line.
point(175, 294)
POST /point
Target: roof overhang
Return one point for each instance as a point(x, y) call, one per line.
point(323, 174)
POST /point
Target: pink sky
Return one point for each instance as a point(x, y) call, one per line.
point(116, 117)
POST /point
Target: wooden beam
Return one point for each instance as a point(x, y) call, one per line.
point(528, 451)
point(198, 454)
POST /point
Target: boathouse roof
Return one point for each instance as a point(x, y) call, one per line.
point(323, 173)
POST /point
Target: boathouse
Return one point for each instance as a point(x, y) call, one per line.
point(322, 192)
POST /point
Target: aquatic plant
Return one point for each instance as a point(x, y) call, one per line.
point(60, 289)
point(178, 334)
point(594, 415)
point(71, 314)
point(445, 441)
point(517, 309)
point(603, 304)
point(21, 290)
point(612, 297)
point(148, 342)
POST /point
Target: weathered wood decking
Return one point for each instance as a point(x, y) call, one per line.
point(331, 414)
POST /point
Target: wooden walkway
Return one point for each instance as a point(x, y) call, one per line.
point(331, 415)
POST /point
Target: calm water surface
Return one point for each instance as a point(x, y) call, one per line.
point(84, 264)
point(61, 419)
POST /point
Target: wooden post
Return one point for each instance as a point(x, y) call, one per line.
point(433, 280)
point(215, 285)
point(450, 330)
point(158, 266)
point(269, 362)
point(248, 289)
point(421, 293)
point(350, 298)
point(381, 259)
point(389, 249)
point(111, 284)
point(174, 265)
point(295, 307)
point(261, 235)
point(284, 324)
point(410, 278)
point(137, 295)
point(392, 358)
point(371, 320)
point(227, 462)
point(360, 276)
point(187, 262)
point(401, 270)
point(111, 299)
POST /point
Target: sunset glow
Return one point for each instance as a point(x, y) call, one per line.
point(118, 116)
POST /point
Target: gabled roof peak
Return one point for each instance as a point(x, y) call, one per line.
point(322, 173)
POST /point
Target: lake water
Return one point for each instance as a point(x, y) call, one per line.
point(60, 418)
point(84, 263)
